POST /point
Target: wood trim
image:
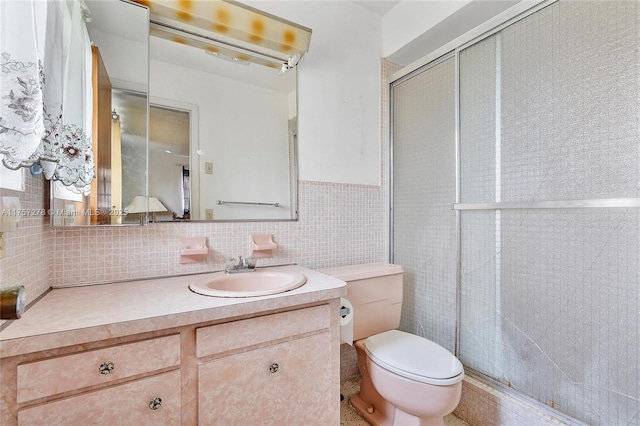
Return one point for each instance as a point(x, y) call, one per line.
point(100, 198)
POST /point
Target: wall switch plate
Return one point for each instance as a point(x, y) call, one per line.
point(208, 168)
point(208, 214)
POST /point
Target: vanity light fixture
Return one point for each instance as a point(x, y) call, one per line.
point(227, 58)
point(226, 28)
point(291, 62)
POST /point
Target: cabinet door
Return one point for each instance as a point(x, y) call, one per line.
point(127, 404)
point(284, 384)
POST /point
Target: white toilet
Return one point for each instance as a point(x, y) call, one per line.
point(406, 379)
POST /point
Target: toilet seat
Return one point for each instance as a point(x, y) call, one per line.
point(414, 357)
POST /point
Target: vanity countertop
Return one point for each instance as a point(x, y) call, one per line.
point(77, 315)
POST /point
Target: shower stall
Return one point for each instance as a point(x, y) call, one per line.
point(516, 205)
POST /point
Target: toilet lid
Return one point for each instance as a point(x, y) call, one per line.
point(414, 357)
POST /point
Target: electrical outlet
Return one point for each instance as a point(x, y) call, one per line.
point(208, 213)
point(208, 168)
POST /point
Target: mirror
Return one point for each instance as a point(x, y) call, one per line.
point(222, 140)
point(119, 32)
point(222, 132)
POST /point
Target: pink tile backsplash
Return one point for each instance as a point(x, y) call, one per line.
point(339, 224)
point(27, 259)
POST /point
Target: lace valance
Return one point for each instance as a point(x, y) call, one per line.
point(45, 90)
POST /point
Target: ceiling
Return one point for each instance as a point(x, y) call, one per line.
point(378, 6)
point(453, 26)
point(471, 15)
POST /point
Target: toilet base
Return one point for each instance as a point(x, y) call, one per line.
point(375, 418)
point(387, 415)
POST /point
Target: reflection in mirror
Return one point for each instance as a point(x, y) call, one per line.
point(132, 110)
point(169, 140)
point(238, 163)
point(119, 33)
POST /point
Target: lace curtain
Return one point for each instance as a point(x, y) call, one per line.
point(45, 90)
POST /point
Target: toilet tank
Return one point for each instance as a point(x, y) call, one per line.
point(375, 291)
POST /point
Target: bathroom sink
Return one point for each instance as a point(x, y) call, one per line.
point(262, 282)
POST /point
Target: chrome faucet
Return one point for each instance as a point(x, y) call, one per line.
point(241, 264)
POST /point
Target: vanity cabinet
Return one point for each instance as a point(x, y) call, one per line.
point(278, 367)
point(272, 370)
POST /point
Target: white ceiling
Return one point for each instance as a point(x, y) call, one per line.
point(453, 26)
point(469, 16)
point(378, 6)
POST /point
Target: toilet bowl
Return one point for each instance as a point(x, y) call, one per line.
point(406, 379)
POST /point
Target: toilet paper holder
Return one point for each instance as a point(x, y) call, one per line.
point(346, 321)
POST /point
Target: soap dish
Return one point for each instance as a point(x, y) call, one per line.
point(193, 249)
point(262, 245)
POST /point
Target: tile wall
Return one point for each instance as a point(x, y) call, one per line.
point(483, 405)
point(26, 259)
point(338, 224)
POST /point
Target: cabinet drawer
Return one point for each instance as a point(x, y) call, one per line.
point(127, 404)
point(238, 334)
point(285, 384)
point(56, 375)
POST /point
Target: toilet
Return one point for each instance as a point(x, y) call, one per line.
point(406, 379)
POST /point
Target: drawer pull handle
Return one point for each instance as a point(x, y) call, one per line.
point(155, 403)
point(274, 367)
point(106, 367)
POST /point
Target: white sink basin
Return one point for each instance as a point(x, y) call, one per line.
point(247, 284)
